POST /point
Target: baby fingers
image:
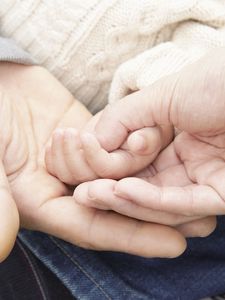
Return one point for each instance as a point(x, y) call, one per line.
point(116, 164)
point(65, 159)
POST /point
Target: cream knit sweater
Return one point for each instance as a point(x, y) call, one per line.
point(91, 45)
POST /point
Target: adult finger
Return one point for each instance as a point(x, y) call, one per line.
point(131, 113)
point(168, 102)
point(91, 228)
point(106, 230)
point(117, 164)
point(99, 194)
point(201, 200)
point(198, 228)
point(149, 140)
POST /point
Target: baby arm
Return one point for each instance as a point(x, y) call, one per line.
point(76, 156)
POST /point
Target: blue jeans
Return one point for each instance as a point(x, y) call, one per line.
point(24, 277)
point(92, 275)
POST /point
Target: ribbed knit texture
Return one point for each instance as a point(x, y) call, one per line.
point(89, 43)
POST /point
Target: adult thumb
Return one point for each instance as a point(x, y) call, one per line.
point(146, 108)
point(191, 100)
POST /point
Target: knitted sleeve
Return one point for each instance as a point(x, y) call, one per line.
point(9, 51)
point(190, 40)
point(83, 43)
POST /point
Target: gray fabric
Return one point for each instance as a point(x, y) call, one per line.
point(11, 52)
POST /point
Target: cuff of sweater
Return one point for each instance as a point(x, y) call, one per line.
point(147, 68)
point(11, 52)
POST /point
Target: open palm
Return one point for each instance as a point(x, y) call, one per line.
point(33, 104)
point(180, 186)
point(188, 177)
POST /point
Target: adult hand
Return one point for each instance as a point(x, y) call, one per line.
point(33, 104)
point(192, 100)
point(165, 171)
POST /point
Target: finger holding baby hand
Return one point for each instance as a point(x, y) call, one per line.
point(149, 140)
point(77, 156)
point(140, 149)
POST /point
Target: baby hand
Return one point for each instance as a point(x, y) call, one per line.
point(77, 156)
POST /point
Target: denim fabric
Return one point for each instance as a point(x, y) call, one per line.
point(24, 277)
point(90, 275)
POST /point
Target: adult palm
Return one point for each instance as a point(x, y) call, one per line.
point(188, 177)
point(179, 188)
point(32, 105)
point(196, 158)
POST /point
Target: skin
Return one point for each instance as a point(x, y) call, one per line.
point(32, 105)
point(70, 160)
point(188, 177)
point(76, 156)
